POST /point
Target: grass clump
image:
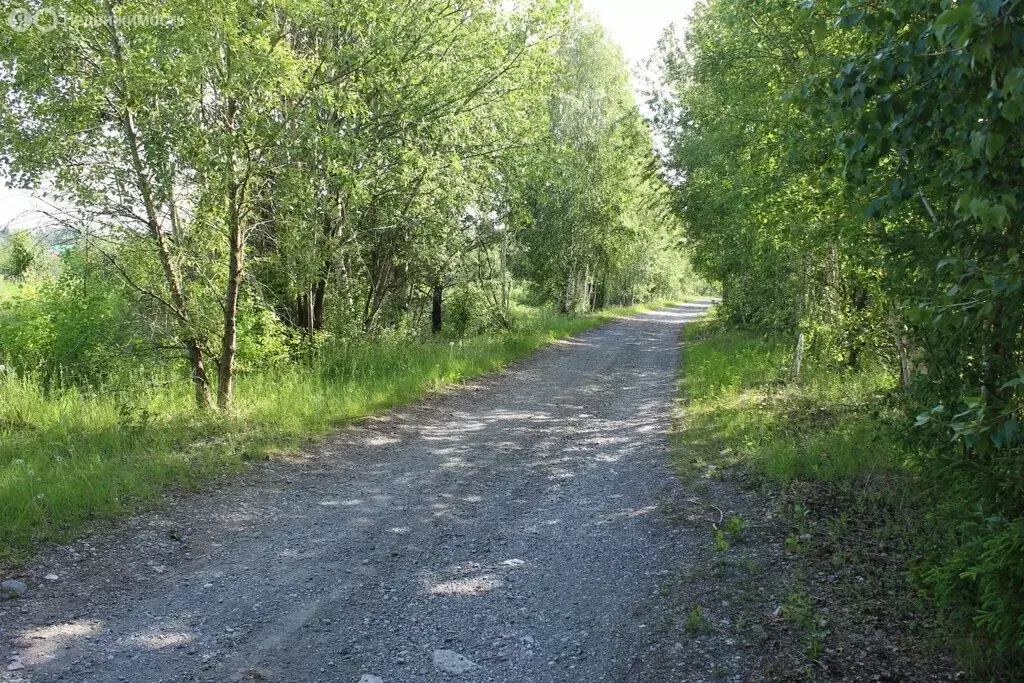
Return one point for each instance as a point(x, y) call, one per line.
point(824, 426)
point(696, 623)
point(736, 527)
point(721, 542)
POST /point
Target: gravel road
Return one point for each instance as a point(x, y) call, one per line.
point(508, 530)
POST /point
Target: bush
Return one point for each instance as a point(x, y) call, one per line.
point(18, 255)
point(70, 330)
point(982, 580)
point(464, 312)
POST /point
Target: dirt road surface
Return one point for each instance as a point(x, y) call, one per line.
point(508, 530)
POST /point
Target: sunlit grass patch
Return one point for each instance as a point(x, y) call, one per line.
point(742, 402)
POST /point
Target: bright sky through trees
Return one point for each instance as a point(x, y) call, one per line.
point(636, 24)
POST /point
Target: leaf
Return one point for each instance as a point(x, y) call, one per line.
point(947, 22)
point(994, 143)
point(978, 143)
point(1014, 82)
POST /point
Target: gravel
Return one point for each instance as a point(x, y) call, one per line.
point(506, 530)
point(451, 662)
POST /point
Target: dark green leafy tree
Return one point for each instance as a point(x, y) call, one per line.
point(927, 111)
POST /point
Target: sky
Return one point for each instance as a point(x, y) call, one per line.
point(634, 24)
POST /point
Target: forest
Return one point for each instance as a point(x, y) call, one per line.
point(850, 172)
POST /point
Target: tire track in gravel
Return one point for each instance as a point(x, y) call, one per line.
point(514, 520)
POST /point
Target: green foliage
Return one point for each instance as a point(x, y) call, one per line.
point(799, 610)
point(823, 427)
point(465, 312)
point(942, 161)
point(696, 623)
point(333, 165)
point(75, 330)
point(736, 528)
point(721, 542)
point(595, 223)
point(269, 196)
point(18, 253)
point(986, 564)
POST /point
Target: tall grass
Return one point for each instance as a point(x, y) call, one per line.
point(68, 457)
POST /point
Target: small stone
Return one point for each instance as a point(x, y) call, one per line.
point(12, 589)
point(370, 678)
point(452, 662)
point(15, 665)
point(51, 577)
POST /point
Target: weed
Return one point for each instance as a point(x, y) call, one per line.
point(721, 542)
point(736, 528)
point(793, 543)
point(837, 526)
point(800, 515)
point(697, 623)
point(798, 610)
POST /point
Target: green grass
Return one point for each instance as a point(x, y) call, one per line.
point(68, 458)
point(743, 408)
point(698, 624)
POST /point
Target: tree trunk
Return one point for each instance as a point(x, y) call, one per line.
point(179, 302)
point(855, 344)
point(200, 380)
point(568, 294)
point(319, 297)
point(435, 309)
point(901, 349)
point(801, 307)
point(798, 355)
point(587, 296)
point(229, 342)
point(310, 326)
